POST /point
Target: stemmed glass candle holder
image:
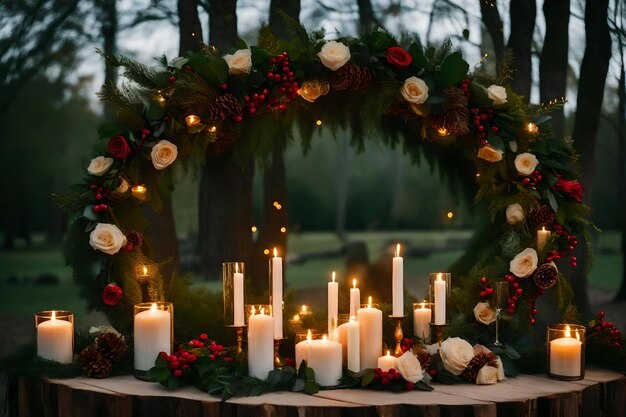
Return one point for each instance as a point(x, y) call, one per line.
point(233, 274)
point(55, 335)
point(154, 333)
point(499, 302)
point(566, 351)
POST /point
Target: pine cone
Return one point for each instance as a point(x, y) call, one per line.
point(93, 363)
point(423, 356)
point(225, 107)
point(111, 346)
point(135, 239)
point(478, 361)
point(541, 216)
point(456, 119)
point(351, 77)
point(546, 276)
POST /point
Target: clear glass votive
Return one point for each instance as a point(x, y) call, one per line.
point(55, 335)
point(566, 351)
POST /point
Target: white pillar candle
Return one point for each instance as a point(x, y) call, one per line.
point(302, 350)
point(421, 322)
point(260, 344)
point(333, 304)
point(355, 298)
point(341, 335)
point(386, 362)
point(353, 345)
point(325, 360)
point(542, 238)
point(397, 278)
point(440, 300)
point(565, 355)
point(153, 333)
point(277, 295)
point(370, 334)
point(238, 297)
point(55, 340)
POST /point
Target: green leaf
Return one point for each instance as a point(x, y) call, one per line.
point(453, 69)
point(417, 53)
point(552, 200)
point(241, 44)
point(511, 353)
point(212, 68)
point(422, 386)
point(311, 387)
point(108, 129)
point(158, 374)
point(89, 213)
point(367, 378)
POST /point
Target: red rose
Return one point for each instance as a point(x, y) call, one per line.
point(572, 189)
point(118, 147)
point(398, 57)
point(112, 294)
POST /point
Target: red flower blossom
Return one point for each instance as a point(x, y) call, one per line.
point(398, 57)
point(112, 294)
point(572, 189)
point(119, 147)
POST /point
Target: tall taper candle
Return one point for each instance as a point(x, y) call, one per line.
point(260, 344)
point(355, 298)
point(277, 294)
point(238, 297)
point(440, 300)
point(398, 284)
point(333, 305)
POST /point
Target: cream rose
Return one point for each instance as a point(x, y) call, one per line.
point(313, 89)
point(484, 313)
point(163, 154)
point(123, 187)
point(415, 90)
point(99, 166)
point(107, 238)
point(409, 367)
point(487, 375)
point(525, 163)
point(456, 354)
point(240, 62)
point(490, 154)
point(497, 93)
point(334, 55)
point(524, 263)
point(514, 214)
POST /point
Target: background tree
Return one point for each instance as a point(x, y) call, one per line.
point(522, 15)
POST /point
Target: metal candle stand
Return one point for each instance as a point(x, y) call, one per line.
point(398, 334)
point(277, 361)
point(437, 331)
point(239, 336)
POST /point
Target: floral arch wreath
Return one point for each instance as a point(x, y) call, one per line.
point(238, 104)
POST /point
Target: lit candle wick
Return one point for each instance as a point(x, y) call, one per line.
point(153, 308)
point(397, 250)
point(275, 252)
point(369, 302)
point(333, 275)
point(54, 315)
point(354, 283)
point(309, 336)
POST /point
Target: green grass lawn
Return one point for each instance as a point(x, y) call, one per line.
point(27, 298)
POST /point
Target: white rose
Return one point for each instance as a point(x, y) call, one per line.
point(123, 187)
point(107, 238)
point(514, 214)
point(334, 55)
point(456, 354)
point(501, 376)
point(487, 375)
point(409, 367)
point(415, 90)
point(99, 166)
point(490, 154)
point(432, 349)
point(163, 154)
point(484, 313)
point(525, 163)
point(524, 263)
point(497, 93)
point(240, 62)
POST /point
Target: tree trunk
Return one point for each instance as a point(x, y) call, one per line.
point(109, 47)
point(523, 14)
point(493, 22)
point(366, 16)
point(553, 64)
point(223, 24)
point(621, 168)
point(593, 71)
point(190, 28)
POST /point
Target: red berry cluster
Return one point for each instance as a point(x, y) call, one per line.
point(486, 291)
point(483, 121)
point(532, 180)
point(406, 344)
point(385, 378)
point(531, 303)
point(608, 330)
point(102, 194)
point(179, 361)
point(145, 133)
point(256, 100)
point(572, 242)
point(517, 293)
point(171, 79)
point(281, 76)
point(465, 86)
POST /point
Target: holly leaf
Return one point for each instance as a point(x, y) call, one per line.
point(158, 374)
point(422, 386)
point(417, 52)
point(311, 387)
point(453, 69)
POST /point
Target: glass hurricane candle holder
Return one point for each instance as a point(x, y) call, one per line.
point(566, 351)
point(439, 293)
point(233, 274)
point(55, 335)
point(153, 334)
point(422, 317)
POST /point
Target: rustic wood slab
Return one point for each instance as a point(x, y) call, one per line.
point(602, 393)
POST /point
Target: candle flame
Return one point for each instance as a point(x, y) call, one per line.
point(296, 317)
point(145, 270)
point(388, 353)
point(236, 267)
point(309, 336)
point(262, 310)
point(352, 318)
point(54, 315)
point(567, 331)
point(324, 338)
point(423, 304)
point(354, 283)
point(369, 302)
point(439, 276)
point(153, 307)
point(397, 250)
point(333, 276)
point(304, 308)
point(543, 228)
point(275, 252)
point(253, 311)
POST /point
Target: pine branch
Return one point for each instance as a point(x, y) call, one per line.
point(141, 74)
